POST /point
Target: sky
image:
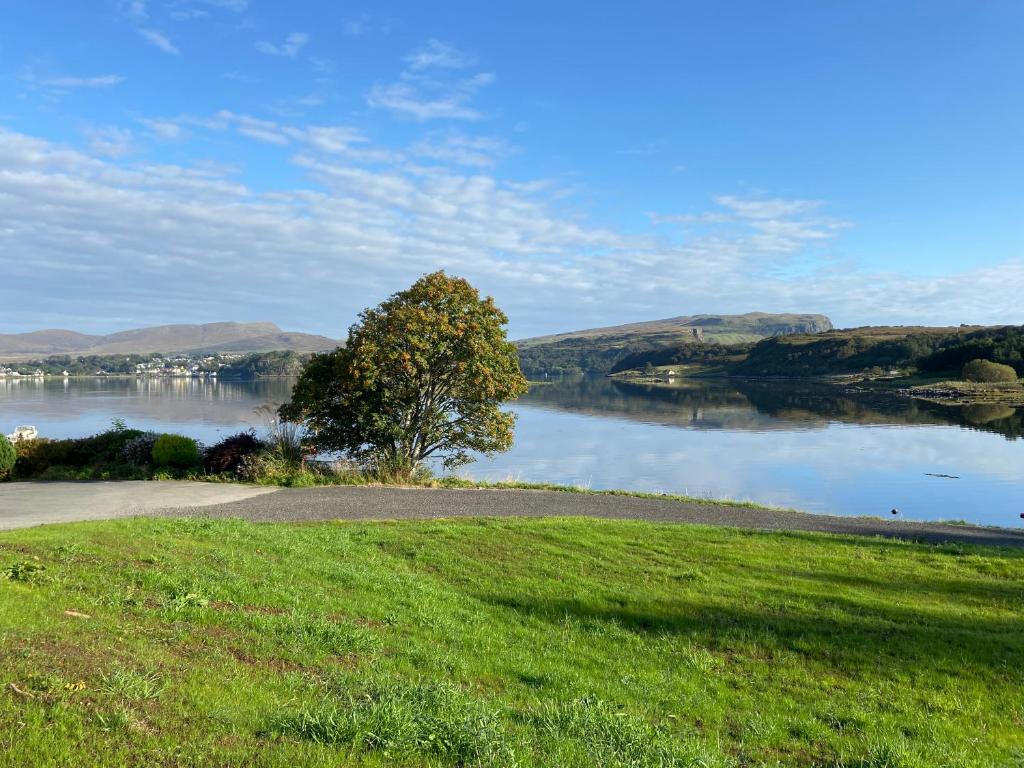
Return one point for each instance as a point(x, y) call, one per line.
point(585, 163)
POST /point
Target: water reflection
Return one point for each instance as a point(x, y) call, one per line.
point(205, 408)
point(759, 405)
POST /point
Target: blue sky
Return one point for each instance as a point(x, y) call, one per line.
point(585, 163)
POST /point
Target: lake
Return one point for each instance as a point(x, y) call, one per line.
point(784, 444)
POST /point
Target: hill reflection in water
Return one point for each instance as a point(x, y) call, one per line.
point(760, 406)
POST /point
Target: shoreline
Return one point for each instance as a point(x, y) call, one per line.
point(941, 391)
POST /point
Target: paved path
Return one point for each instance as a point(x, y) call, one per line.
point(377, 503)
point(25, 504)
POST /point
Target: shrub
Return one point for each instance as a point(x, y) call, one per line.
point(102, 449)
point(139, 450)
point(227, 455)
point(36, 456)
point(7, 456)
point(985, 371)
point(284, 438)
point(175, 451)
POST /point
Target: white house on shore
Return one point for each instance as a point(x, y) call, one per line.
point(23, 433)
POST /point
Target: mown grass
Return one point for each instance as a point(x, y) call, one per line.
point(546, 642)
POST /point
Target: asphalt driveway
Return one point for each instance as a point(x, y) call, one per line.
point(24, 504)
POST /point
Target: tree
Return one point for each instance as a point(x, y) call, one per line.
point(8, 456)
point(422, 374)
point(988, 372)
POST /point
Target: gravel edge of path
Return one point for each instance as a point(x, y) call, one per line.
point(366, 503)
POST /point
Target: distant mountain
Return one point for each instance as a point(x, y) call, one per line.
point(752, 326)
point(597, 350)
point(211, 337)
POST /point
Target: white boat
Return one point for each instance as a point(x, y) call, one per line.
point(23, 433)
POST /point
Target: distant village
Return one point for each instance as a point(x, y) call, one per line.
point(156, 366)
point(181, 366)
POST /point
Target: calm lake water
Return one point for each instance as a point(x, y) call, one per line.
point(787, 444)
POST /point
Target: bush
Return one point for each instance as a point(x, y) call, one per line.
point(985, 371)
point(103, 449)
point(7, 456)
point(139, 450)
point(175, 451)
point(228, 455)
point(37, 456)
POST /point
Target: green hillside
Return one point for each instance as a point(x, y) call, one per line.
point(599, 350)
point(902, 350)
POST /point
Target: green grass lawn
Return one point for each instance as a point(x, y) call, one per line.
point(503, 642)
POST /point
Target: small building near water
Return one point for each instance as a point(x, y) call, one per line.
point(23, 433)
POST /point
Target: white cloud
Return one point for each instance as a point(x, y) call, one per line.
point(164, 129)
point(479, 151)
point(133, 9)
point(422, 95)
point(328, 139)
point(293, 43)
point(69, 81)
point(83, 237)
point(438, 54)
point(160, 40)
point(111, 141)
point(430, 100)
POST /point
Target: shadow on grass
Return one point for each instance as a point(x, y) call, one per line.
point(838, 632)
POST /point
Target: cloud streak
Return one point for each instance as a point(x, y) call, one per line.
point(293, 43)
point(160, 40)
point(425, 92)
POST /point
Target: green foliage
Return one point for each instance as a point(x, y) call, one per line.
point(175, 451)
point(605, 350)
point(422, 374)
point(24, 570)
point(264, 364)
point(858, 350)
point(284, 439)
point(36, 456)
point(7, 456)
point(104, 452)
point(987, 372)
point(871, 350)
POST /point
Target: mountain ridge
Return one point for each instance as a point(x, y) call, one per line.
point(225, 336)
point(749, 323)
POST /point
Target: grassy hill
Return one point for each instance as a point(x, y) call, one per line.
point(899, 351)
point(211, 337)
point(598, 350)
point(550, 642)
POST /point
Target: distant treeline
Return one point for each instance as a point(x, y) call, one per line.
point(852, 351)
point(575, 356)
point(881, 349)
point(716, 354)
point(265, 364)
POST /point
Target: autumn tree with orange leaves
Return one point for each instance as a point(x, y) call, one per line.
point(423, 374)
